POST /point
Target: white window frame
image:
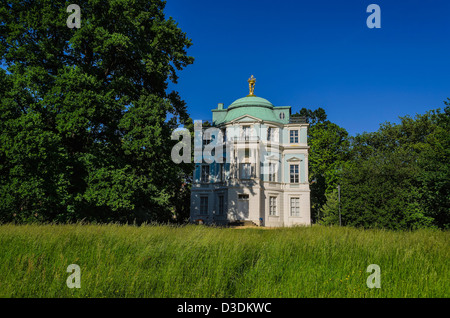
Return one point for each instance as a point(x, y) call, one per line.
point(204, 205)
point(272, 134)
point(294, 176)
point(272, 172)
point(246, 132)
point(246, 170)
point(293, 136)
point(294, 207)
point(273, 205)
point(204, 176)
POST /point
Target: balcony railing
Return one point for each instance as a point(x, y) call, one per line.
point(297, 120)
point(244, 138)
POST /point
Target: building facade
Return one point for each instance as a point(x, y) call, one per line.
point(252, 165)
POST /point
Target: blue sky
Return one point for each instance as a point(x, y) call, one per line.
point(317, 54)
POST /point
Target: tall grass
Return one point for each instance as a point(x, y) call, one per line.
point(200, 261)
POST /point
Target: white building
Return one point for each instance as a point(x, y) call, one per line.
point(263, 176)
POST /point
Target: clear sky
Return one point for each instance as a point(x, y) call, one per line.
point(317, 53)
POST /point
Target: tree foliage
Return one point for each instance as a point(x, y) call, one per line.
point(86, 115)
point(329, 147)
point(398, 177)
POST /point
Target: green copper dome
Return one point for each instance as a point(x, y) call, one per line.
point(251, 101)
point(252, 106)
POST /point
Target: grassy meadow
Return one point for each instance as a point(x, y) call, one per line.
point(201, 261)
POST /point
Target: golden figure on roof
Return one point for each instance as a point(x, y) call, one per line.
point(251, 85)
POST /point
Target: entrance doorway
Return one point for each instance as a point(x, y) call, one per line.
point(242, 206)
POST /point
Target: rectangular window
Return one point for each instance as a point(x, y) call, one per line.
point(205, 174)
point(294, 173)
point(295, 206)
point(246, 170)
point(272, 172)
point(221, 176)
point(221, 204)
point(203, 205)
point(272, 205)
point(247, 153)
point(206, 138)
point(269, 134)
point(246, 132)
point(294, 136)
point(243, 196)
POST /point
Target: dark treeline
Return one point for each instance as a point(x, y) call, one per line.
point(86, 115)
point(397, 177)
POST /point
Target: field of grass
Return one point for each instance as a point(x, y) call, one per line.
point(200, 261)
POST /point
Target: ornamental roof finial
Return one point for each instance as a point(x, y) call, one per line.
point(251, 85)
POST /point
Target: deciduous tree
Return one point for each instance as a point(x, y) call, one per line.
point(86, 114)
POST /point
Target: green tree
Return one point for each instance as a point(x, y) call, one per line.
point(398, 177)
point(434, 162)
point(329, 149)
point(86, 115)
point(380, 192)
point(329, 212)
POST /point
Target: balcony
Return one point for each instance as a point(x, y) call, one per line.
point(297, 120)
point(244, 138)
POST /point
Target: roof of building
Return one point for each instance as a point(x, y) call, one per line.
point(252, 106)
point(251, 101)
